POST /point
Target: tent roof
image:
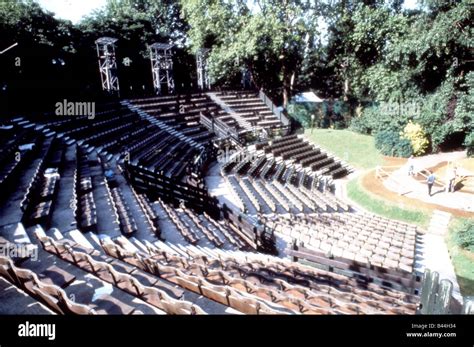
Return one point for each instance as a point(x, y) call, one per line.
point(307, 97)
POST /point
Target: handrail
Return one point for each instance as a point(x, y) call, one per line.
point(281, 116)
point(401, 186)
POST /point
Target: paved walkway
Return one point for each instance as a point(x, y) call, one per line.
point(432, 252)
point(400, 182)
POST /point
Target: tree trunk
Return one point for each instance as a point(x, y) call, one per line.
point(346, 89)
point(287, 77)
point(252, 78)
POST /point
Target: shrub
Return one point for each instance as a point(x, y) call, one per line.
point(417, 137)
point(359, 125)
point(374, 119)
point(464, 235)
point(403, 148)
point(469, 143)
point(390, 143)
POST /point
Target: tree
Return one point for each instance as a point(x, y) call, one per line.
point(415, 57)
point(39, 61)
point(269, 37)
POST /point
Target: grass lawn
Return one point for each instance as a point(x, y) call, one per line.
point(384, 208)
point(356, 149)
point(463, 260)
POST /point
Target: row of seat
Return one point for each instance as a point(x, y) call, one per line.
point(149, 212)
point(51, 295)
point(38, 202)
point(126, 221)
point(230, 236)
point(209, 233)
point(361, 242)
point(174, 269)
point(252, 111)
point(86, 211)
point(254, 267)
point(298, 150)
point(17, 147)
point(220, 280)
point(122, 280)
point(185, 230)
point(264, 194)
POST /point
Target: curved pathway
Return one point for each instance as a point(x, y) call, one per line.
point(399, 182)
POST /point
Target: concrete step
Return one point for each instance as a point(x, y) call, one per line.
point(55, 233)
point(198, 250)
point(93, 239)
point(138, 244)
point(208, 252)
point(15, 301)
point(15, 232)
point(79, 238)
point(125, 243)
point(178, 250)
point(164, 247)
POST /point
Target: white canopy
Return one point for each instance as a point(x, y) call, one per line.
point(307, 97)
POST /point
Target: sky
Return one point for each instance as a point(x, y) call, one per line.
point(74, 10)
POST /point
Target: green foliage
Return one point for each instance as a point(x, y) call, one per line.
point(276, 34)
point(302, 112)
point(462, 257)
point(392, 144)
point(408, 57)
point(469, 143)
point(417, 137)
point(327, 114)
point(374, 119)
point(374, 52)
point(464, 235)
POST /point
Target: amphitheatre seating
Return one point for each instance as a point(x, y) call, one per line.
point(250, 110)
point(184, 228)
point(126, 221)
point(51, 295)
point(51, 282)
point(257, 286)
point(285, 176)
point(355, 236)
point(251, 194)
point(308, 155)
point(208, 233)
point(118, 129)
point(276, 194)
point(130, 283)
point(293, 200)
point(149, 212)
point(18, 146)
point(86, 211)
point(264, 195)
point(233, 239)
point(192, 225)
point(181, 112)
point(286, 168)
point(38, 202)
